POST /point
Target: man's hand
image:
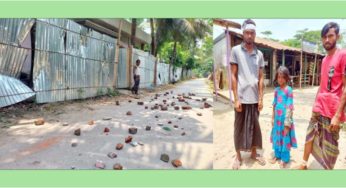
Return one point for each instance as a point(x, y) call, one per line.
point(237, 106)
point(260, 105)
point(335, 124)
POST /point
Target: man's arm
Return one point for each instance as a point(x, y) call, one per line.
point(234, 78)
point(336, 119)
point(260, 89)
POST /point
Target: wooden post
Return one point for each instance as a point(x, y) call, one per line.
point(129, 66)
point(229, 72)
point(313, 74)
point(283, 57)
point(119, 40)
point(214, 77)
point(305, 67)
point(115, 69)
point(117, 56)
point(319, 72)
point(155, 72)
point(294, 66)
point(274, 60)
point(301, 69)
point(301, 63)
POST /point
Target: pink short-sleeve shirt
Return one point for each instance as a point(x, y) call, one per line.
point(327, 101)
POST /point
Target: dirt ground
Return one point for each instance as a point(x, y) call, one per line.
point(26, 146)
point(224, 151)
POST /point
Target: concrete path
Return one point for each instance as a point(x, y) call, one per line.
point(49, 146)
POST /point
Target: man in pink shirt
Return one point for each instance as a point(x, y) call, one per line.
point(328, 110)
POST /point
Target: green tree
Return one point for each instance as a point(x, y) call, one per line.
point(300, 34)
point(267, 34)
point(204, 57)
point(190, 63)
point(185, 32)
point(343, 39)
point(145, 24)
point(306, 35)
point(292, 42)
point(152, 33)
point(133, 30)
point(182, 54)
point(135, 23)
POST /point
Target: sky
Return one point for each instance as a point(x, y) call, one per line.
point(283, 29)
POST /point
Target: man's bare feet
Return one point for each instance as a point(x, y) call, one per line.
point(259, 159)
point(236, 164)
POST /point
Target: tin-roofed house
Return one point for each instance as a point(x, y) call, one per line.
point(275, 54)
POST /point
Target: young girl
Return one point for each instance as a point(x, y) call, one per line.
point(283, 134)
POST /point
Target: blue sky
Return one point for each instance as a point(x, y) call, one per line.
point(284, 28)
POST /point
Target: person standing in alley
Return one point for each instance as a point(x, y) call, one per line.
point(136, 77)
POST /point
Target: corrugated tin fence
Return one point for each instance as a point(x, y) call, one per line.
point(15, 45)
point(146, 68)
point(162, 75)
point(123, 69)
point(176, 73)
point(71, 61)
point(15, 58)
point(186, 74)
point(13, 91)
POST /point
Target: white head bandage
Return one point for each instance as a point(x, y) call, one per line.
point(249, 27)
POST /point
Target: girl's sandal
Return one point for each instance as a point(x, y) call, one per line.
point(283, 164)
point(273, 160)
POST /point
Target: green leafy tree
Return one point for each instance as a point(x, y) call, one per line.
point(306, 35)
point(204, 58)
point(267, 34)
point(343, 39)
point(292, 42)
point(185, 32)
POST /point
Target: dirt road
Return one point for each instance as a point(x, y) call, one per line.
point(187, 137)
point(223, 133)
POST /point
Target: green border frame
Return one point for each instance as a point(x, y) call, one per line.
point(173, 9)
point(172, 178)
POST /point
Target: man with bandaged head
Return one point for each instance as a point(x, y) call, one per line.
point(247, 65)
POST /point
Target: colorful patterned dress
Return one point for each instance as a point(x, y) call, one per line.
point(283, 106)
